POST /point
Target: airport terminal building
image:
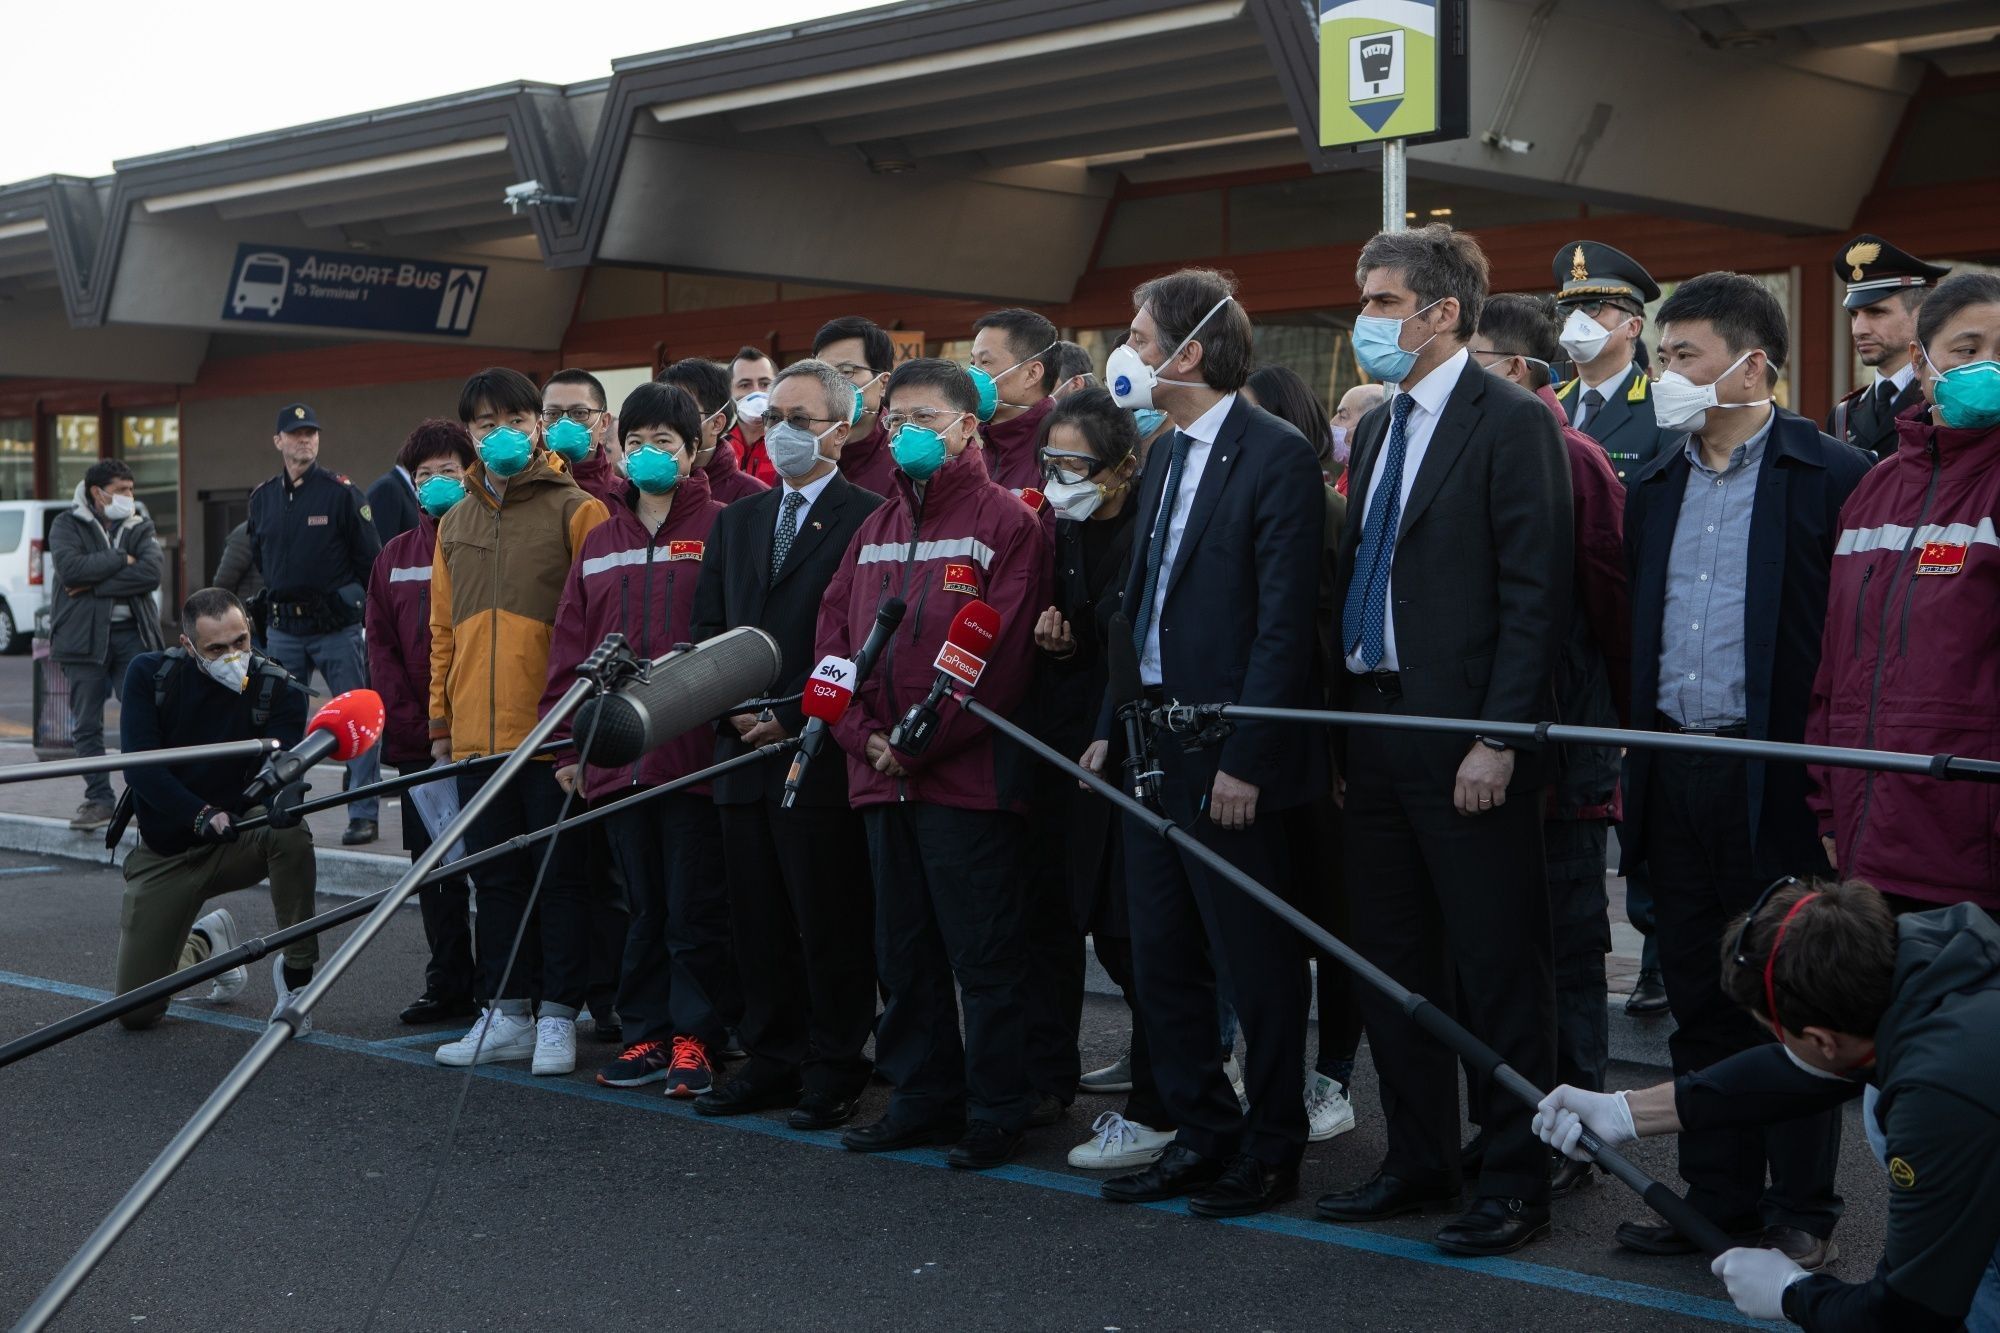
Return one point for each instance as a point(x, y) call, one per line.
point(921, 163)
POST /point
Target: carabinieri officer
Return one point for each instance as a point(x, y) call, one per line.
point(316, 543)
point(1602, 294)
point(1885, 288)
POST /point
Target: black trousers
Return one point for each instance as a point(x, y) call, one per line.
point(802, 917)
point(1180, 912)
point(446, 908)
point(948, 906)
point(1449, 905)
point(1580, 920)
point(1705, 874)
point(562, 914)
point(678, 977)
point(610, 917)
point(1142, 1105)
point(1055, 943)
point(1314, 829)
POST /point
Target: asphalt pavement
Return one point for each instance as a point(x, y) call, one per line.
point(566, 1205)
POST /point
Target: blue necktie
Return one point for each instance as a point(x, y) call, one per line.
point(1156, 549)
point(1365, 616)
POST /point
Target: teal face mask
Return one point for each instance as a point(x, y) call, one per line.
point(918, 451)
point(1967, 396)
point(568, 438)
point(506, 452)
point(654, 471)
point(439, 494)
point(989, 392)
point(1148, 420)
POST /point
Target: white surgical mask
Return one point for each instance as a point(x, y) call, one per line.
point(1583, 337)
point(231, 670)
point(750, 407)
point(1679, 404)
point(1075, 500)
point(1132, 381)
point(120, 507)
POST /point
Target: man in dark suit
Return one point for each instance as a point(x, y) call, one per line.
point(392, 498)
point(1454, 597)
point(1885, 288)
point(1223, 584)
point(1730, 538)
point(800, 901)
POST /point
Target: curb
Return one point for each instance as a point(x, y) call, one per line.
point(342, 874)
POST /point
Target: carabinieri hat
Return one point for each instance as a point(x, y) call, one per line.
point(1872, 268)
point(1594, 271)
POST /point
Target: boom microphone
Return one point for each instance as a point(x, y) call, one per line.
point(346, 728)
point(961, 660)
point(681, 691)
point(831, 702)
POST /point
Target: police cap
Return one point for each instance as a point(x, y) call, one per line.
point(1872, 268)
point(1594, 271)
point(295, 416)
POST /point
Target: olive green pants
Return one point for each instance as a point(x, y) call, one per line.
point(165, 894)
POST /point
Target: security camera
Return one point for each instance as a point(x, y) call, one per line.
point(531, 194)
point(1492, 140)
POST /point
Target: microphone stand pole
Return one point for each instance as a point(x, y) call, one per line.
point(112, 763)
point(609, 663)
point(1420, 1011)
point(402, 782)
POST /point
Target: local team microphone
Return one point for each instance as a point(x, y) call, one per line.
point(960, 661)
point(346, 728)
point(680, 692)
point(830, 689)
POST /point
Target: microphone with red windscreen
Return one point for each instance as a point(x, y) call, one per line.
point(961, 660)
point(829, 690)
point(346, 728)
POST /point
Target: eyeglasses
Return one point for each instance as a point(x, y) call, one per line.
point(930, 418)
point(797, 420)
point(580, 415)
point(1596, 308)
point(1070, 467)
point(1504, 356)
point(1750, 919)
point(859, 374)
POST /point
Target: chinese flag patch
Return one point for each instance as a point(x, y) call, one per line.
point(684, 550)
point(1941, 558)
point(1034, 499)
point(961, 578)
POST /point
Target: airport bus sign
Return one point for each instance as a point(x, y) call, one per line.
point(282, 284)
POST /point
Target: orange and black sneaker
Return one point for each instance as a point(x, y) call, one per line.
point(640, 1063)
point(689, 1075)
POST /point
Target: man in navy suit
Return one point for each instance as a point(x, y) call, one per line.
point(1223, 588)
point(1730, 539)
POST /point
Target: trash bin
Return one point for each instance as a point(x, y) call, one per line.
point(55, 732)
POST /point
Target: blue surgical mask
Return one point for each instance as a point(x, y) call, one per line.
point(1378, 346)
point(438, 494)
point(506, 452)
point(919, 451)
point(654, 471)
point(1967, 396)
point(569, 438)
point(1148, 420)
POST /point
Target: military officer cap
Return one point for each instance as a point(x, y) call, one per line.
point(1872, 268)
point(1594, 271)
point(296, 416)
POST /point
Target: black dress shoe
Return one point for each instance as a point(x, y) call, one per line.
point(892, 1135)
point(1247, 1186)
point(1495, 1226)
point(1048, 1111)
point(1803, 1248)
point(1649, 994)
point(1658, 1238)
point(739, 1096)
point(818, 1110)
point(436, 1009)
point(1569, 1176)
point(359, 831)
point(1179, 1171)
point(984, 1147)
point(1384, 1196)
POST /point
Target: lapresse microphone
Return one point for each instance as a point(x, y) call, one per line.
point(960, 662)
point(346, 728)
point(681, 691)
point(888, 617)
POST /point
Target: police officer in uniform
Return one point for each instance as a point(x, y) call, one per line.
point(315, 540)
point(1602, 295)
point(1885, 287)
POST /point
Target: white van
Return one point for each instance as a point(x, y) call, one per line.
point(25, 567)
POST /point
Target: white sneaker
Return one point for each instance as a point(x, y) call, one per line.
point(220, 927)
point(1234, 1073)
point(1327, 1109)
point(1118, 1144)
point(494, 1036)
point(555, 1046)
point(285, 996)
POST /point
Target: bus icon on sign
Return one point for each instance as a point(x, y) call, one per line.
point(1375, 66)
point(260, 284)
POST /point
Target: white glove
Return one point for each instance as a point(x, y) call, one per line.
point(1565, 1113)
point(1757, 1280)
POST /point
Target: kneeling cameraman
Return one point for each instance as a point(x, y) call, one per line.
point(211, 688)
point(1902, 1012)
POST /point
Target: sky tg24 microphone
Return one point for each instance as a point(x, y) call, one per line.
point(888, 617)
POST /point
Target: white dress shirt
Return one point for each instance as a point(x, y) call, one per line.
point(811, 491)
point(1901, 379)
point(1201, 437)
point(1430, 395)
point(1606, 390)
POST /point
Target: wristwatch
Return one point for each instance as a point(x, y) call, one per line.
point(1492, 744)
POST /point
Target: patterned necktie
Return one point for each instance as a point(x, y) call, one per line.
point(1156, 549)
point(788, 530)
point(1592, 400)
point(1364, 618)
